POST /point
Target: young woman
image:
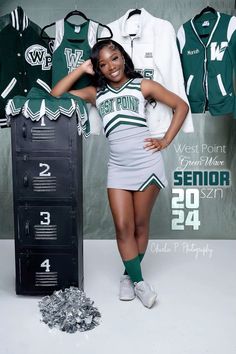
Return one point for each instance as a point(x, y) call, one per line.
point(135, 169)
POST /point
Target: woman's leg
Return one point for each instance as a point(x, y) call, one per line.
point(122, 208)
point(143, 204)
point(131, 213)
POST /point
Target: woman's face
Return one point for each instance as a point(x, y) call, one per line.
point(111, 64)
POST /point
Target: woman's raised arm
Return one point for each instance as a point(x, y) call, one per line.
point(64, 85)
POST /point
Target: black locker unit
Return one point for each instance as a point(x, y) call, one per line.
point(47, 192)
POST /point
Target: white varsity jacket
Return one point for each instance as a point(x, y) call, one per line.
point(151, 44)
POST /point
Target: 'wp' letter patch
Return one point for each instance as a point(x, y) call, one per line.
point(38, 55)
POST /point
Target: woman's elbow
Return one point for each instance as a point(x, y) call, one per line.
point(54, 93)
point(184, 108)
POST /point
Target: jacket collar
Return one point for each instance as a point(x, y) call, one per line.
point(217, 15)
point(138, 22)
point(19, 19)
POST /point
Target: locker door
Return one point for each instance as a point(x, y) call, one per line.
point(44, 135)
point(49, 225)
point(40, 272)
point(44, 177)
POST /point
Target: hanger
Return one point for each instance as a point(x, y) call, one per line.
point(79, 13)
point(109, 30)
point(134, 12)
point(205, 10)
point(43, 36)
point(76, 13)
point(70, 14)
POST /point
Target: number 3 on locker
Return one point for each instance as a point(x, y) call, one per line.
point(185, 199)
point(46, 218)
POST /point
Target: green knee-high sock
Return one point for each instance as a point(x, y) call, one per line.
point(141, 255)
point(133, 269)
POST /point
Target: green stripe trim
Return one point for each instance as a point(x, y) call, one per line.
point(125, 123)
point(153, 179)
point(123, 116)
point(121, 88)
point(135, 88)
point(101, 93)
point(132, 85)
point(135, 84)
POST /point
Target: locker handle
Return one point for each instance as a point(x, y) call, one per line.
point(27, 228)
point(24, 131)
point(26, 181)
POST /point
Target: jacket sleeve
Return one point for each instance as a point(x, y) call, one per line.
point(169, 64)
point(231, 36)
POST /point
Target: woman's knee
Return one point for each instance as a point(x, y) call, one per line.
point(124, 229)
point(141, 228)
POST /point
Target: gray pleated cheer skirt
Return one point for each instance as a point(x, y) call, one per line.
point(130, 166)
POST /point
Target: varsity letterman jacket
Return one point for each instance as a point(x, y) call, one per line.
point(151, 44)
point(207, 48)
point(25, 60)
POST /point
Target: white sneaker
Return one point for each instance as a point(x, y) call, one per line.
point(126, 288)
point(145, 293)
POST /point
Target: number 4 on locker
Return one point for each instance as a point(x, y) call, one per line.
point(46, 264)
point(185, 201)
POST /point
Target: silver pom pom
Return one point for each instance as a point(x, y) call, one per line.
point(69, 310)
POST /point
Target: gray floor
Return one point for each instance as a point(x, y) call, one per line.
point(195, 314)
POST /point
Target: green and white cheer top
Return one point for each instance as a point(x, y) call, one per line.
point(130, 166)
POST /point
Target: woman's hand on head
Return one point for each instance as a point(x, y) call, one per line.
point(155, 144)
point(87, 67)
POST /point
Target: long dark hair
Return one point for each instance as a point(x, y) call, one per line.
point(98, 79)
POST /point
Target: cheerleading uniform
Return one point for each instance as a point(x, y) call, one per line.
point(130, 166)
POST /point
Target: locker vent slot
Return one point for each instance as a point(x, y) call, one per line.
point(44, 184)
point(46, 279)
point(43, 133)
point(45, 232)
